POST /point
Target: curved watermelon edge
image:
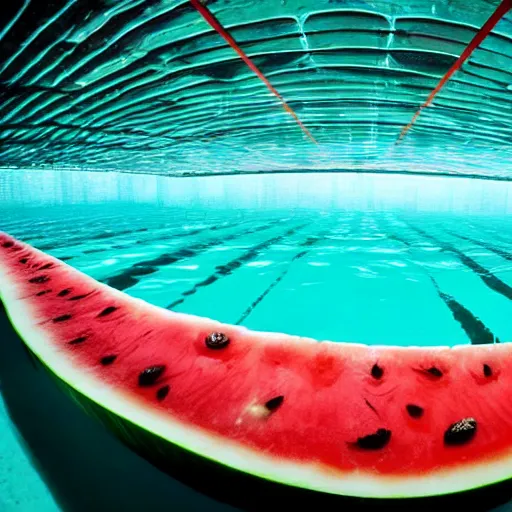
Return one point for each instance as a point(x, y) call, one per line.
point(379, 488)
point(254, 493)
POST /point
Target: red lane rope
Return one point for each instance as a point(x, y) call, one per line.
point(215, 24)
point(501, 10)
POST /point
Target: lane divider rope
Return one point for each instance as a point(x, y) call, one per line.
point(496, 16)
point(217, 26)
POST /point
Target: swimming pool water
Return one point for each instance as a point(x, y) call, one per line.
point(368, 277)
point(406, 276)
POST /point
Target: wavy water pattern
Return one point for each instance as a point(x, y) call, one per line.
point(148, 86)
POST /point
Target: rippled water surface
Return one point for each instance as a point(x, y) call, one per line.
point(149, 86)
point(370, 277)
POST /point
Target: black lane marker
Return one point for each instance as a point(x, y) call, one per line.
point(477, 332)
point(397, 238)
point(227, 269)
point(475, 329)
point(83, 238)
point(485, 275)
point(129, 277)
point(492, 248)
point(113, 234)
point(310, 241)
point(161, 236)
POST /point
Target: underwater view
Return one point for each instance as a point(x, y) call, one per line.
point(255, 255)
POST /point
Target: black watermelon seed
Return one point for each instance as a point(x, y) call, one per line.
point(77, 341)
point(39, 279)
point(274, 403)
point(461, 432)
point(44, 292)
point(162, 392)
point(150, 375)
point(415, 411)
point(62, 318)
point(105, 361)
point(47, 266)
point(217, 340)
point(487, 370)
point(7, 245)
point(434, 371)
point(23, 260)
point(375, 441)
point(107, 311)
point(377, 371)
point(64, 292)
point(17, 248)
point(79, 297)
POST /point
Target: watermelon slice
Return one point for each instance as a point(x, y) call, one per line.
point(252, 416)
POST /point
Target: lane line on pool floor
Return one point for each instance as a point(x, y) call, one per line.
point(492, 282)
point(477, 332)
point(128, 277)
point(310, 241)
point(228, 268)
point(490, 247)
point(475, 329)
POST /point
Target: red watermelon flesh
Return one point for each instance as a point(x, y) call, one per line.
point(343, 418)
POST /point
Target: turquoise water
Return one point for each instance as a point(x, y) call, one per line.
point(368, 277)
point(148, 89)
point(427, 264)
